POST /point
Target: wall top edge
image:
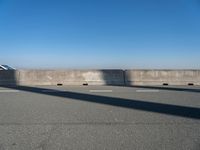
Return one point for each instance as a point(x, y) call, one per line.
point(101, 70)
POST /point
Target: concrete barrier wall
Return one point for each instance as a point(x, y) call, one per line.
point(158, 77)
point(100, 77)
point(71, 77)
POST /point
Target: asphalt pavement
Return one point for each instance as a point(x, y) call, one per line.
point(100, 117)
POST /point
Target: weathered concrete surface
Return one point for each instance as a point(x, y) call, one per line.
point(100, 77)
point(71, 77)
point(158, 77)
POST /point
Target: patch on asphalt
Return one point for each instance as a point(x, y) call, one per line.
point(52, 91)
point(101, 91)
point(9, 91)
point(147, 91)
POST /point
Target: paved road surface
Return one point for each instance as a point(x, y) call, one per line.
point(99, 117)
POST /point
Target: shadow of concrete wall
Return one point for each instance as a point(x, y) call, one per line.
point(148, 106)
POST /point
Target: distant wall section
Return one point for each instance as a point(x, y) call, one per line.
point(160, 77)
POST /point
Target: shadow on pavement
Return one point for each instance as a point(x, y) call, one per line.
point(169, 109)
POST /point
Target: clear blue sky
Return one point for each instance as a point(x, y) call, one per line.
point(100, 33)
